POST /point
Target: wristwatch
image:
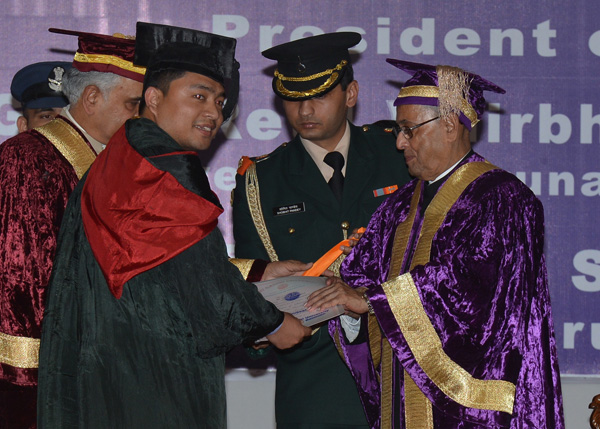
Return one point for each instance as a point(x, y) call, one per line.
point(370, 307)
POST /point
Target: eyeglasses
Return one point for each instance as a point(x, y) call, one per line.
point(407, 132)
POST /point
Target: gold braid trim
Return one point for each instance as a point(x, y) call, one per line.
point(336, 265)
point(244, 265)
point(374, 340)
point(309, 93)
point(421, 337)
point(442, 202)
point(427, 91)
point(70, 144)
point(379, 348)
point(450, 378)
point(338, 67)
point(109, 59)
point(418, 411)
point(402, 235)
point(387, 383)
point(253, 193)
point(20, 352)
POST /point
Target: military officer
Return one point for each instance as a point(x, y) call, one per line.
point(38, 87)
point(307, 196)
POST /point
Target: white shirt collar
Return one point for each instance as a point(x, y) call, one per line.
point(96, 145)
point(448, 170)
point(317, 153)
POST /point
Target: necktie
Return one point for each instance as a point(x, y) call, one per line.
point(336, 161)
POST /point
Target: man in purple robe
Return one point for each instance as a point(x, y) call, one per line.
point(449, 279)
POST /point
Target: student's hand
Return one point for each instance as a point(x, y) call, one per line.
point(290, 333)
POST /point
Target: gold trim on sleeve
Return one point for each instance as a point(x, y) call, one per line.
point(111, 60)
point(426, 346)
point(70, 144)
point(20, 352)
point(253, 197)
point(243, 265)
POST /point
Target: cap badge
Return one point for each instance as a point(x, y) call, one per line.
point(301, 67)
point(55, 83)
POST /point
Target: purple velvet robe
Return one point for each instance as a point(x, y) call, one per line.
point(35, 183)
point(462, 333)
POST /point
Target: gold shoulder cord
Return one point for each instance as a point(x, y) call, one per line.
point(420, 334)
point(70, 144)
point(253, 194)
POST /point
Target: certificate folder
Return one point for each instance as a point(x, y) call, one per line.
point(290, 294)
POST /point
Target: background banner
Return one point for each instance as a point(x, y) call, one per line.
point(545, 129)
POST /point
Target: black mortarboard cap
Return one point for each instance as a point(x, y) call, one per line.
point(166, 47)
point(311, 67)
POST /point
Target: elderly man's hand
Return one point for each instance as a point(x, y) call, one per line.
point(284, 268)
point(290, 333)
point(337, 293)
point(357, 233)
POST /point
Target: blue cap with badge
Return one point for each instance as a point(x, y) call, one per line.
point(39, 85)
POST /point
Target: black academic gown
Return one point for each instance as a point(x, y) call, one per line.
point(154, 358)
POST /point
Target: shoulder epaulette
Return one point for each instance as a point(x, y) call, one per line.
point(387, 126)
point(244, 164)
point(246, 161)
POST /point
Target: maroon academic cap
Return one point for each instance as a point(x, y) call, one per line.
point(102, 53)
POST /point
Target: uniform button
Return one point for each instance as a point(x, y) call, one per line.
point(291, 230)
point(346, 225)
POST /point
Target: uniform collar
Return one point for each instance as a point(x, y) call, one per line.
point(317, 153)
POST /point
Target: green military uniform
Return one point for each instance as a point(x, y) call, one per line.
point(304, 220)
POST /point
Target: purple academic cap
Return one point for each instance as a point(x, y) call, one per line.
point(452, 89)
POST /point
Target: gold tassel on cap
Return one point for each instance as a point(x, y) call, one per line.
point(454, 86)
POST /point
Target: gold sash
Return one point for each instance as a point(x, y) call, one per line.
point(70, 144)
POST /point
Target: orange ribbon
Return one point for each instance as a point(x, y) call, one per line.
point(329, 258)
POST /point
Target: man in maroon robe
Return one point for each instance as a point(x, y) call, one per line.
point(450, 279)
point(38, 171)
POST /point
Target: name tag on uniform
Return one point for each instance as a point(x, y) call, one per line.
point(289, 209)
point(385, 191)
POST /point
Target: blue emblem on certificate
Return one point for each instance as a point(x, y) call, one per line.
point(292, 296)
